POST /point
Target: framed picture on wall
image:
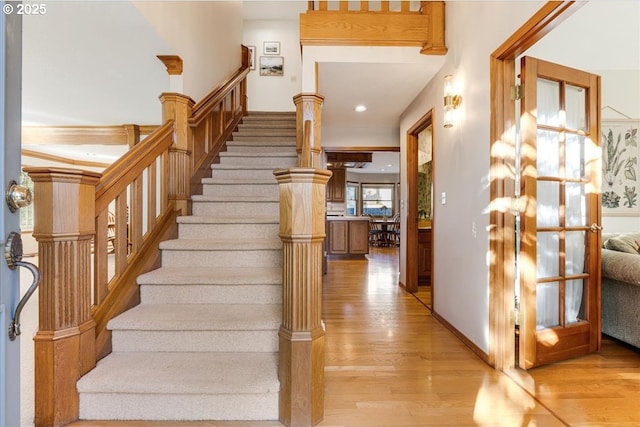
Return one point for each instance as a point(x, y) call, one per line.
point(271, 66)
point(620, 172)
point(271, 48)
point(252, 57)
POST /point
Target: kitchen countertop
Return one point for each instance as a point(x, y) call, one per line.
point(347, 218)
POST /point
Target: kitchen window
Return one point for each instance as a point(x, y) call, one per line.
point(377, 199)
point(352, 199)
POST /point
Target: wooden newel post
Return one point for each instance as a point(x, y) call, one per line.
point(178, 107)
point(302, 230)
point(309, 108)
point(64, 225)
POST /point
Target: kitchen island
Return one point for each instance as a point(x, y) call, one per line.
point(347, 236)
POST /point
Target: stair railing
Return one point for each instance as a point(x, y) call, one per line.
point(97, 232)
point(383, 26)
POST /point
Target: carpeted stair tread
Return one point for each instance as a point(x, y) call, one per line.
point(203, 219)
point(199, 317)
point(242, 167)
point(239, 181)
point(207, 276)
point(261, 155)
point(238, 198)
point(183, 373)
point(221, 244)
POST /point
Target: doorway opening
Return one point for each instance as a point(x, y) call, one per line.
point(420, 219)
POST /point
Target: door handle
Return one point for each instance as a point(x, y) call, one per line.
point(17, 196)
point(13, 256)
point(595, 228)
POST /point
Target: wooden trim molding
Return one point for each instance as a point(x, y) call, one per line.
point(64, 160)
point(173, 64)
point(411, 239)
point(462, 337)
point(79, 135)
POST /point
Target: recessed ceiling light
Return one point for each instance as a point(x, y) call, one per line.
point(360, 108)
point(389, 165)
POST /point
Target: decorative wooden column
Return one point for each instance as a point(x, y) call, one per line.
point(309, 107)
point(65, 342)
point(302, 230)
point(178, 107)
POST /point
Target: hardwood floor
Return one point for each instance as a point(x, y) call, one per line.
point(390, 363)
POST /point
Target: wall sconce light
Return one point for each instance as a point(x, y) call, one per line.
point(451, 101)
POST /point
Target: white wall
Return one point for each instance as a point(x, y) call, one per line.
point(207, 35)
point(88, 63)
point(274, 93)
point(338, 136)
point(461, 162)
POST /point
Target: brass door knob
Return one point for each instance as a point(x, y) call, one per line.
point(18, 196)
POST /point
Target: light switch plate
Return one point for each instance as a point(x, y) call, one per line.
point(443, 197)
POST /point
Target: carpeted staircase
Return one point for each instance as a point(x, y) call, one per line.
point(203, 343)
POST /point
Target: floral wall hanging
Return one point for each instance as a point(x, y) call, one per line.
point(620, 153)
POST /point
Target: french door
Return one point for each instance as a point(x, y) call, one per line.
point(560, 169)
point(10, 113)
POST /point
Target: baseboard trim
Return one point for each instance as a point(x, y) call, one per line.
point(466, 341)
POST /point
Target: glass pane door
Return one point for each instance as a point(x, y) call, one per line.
point(560, 171)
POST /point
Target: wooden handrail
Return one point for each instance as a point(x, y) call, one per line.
point(212, 122)
point(207, 104)
point(118, 175)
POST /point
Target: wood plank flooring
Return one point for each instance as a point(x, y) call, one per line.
point(389, 363)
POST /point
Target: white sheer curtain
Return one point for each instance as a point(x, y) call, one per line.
point(549, 203)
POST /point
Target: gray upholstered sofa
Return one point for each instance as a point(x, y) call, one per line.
point(621, 287)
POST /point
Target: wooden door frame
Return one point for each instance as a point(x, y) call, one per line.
point(502, 133)
point(411, 239)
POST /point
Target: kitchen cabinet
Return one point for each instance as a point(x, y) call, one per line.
point(347, 236)
point(424, 256)
point(336, 187)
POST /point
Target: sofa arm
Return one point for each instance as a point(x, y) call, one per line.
point(621, 266)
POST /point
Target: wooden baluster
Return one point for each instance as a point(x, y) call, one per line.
point(152, 195)
point(309, 107)
point(323, 5)
point(344, 6)
point(405, 6)
point(301, 351)
point(364, 6)
point(122, 232)
point(65, 342)
point(384, 5)
point(135, 214)
point(178, 108)
point(100, 258)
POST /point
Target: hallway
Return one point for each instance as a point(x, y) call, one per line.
point(389, 363)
